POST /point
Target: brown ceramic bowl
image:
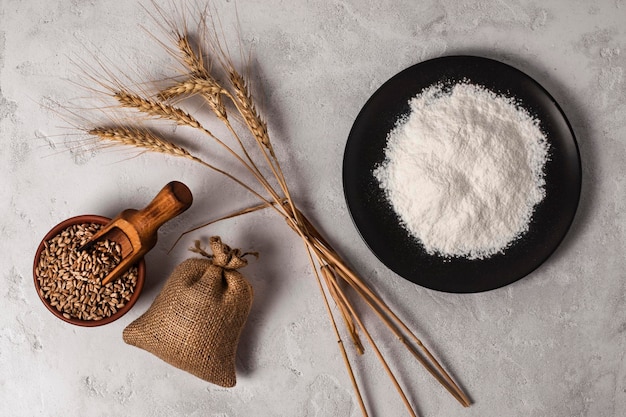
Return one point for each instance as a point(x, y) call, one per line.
point(141, 274)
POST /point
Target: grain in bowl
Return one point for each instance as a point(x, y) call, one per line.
point(69, 281)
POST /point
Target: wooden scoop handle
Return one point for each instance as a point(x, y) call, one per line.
point(139, 227)
point(171, 201)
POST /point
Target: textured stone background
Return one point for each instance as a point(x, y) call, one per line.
point(551, 344)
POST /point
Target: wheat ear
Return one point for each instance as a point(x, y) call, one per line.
point(162, 110)
point(139, 138)
point(156, 109)
point(191, 87)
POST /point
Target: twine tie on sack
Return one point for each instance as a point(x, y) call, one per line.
point(223, 256)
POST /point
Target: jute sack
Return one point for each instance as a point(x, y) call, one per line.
point(196, 320)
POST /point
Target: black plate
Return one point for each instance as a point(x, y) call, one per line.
point(376, 220)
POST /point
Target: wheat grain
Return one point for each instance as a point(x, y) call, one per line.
point(71, 280)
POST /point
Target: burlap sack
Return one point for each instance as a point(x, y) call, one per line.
point(195, 322)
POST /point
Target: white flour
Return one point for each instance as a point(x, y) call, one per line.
point(464, 170)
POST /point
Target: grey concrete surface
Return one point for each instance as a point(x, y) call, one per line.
point(551, 344)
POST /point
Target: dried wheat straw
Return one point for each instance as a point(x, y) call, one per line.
point(201, 81)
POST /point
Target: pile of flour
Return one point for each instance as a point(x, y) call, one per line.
point(464, 170)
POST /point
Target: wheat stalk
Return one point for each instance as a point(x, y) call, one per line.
point(328, 266)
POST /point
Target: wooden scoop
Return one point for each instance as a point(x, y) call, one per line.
point(136, 230)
